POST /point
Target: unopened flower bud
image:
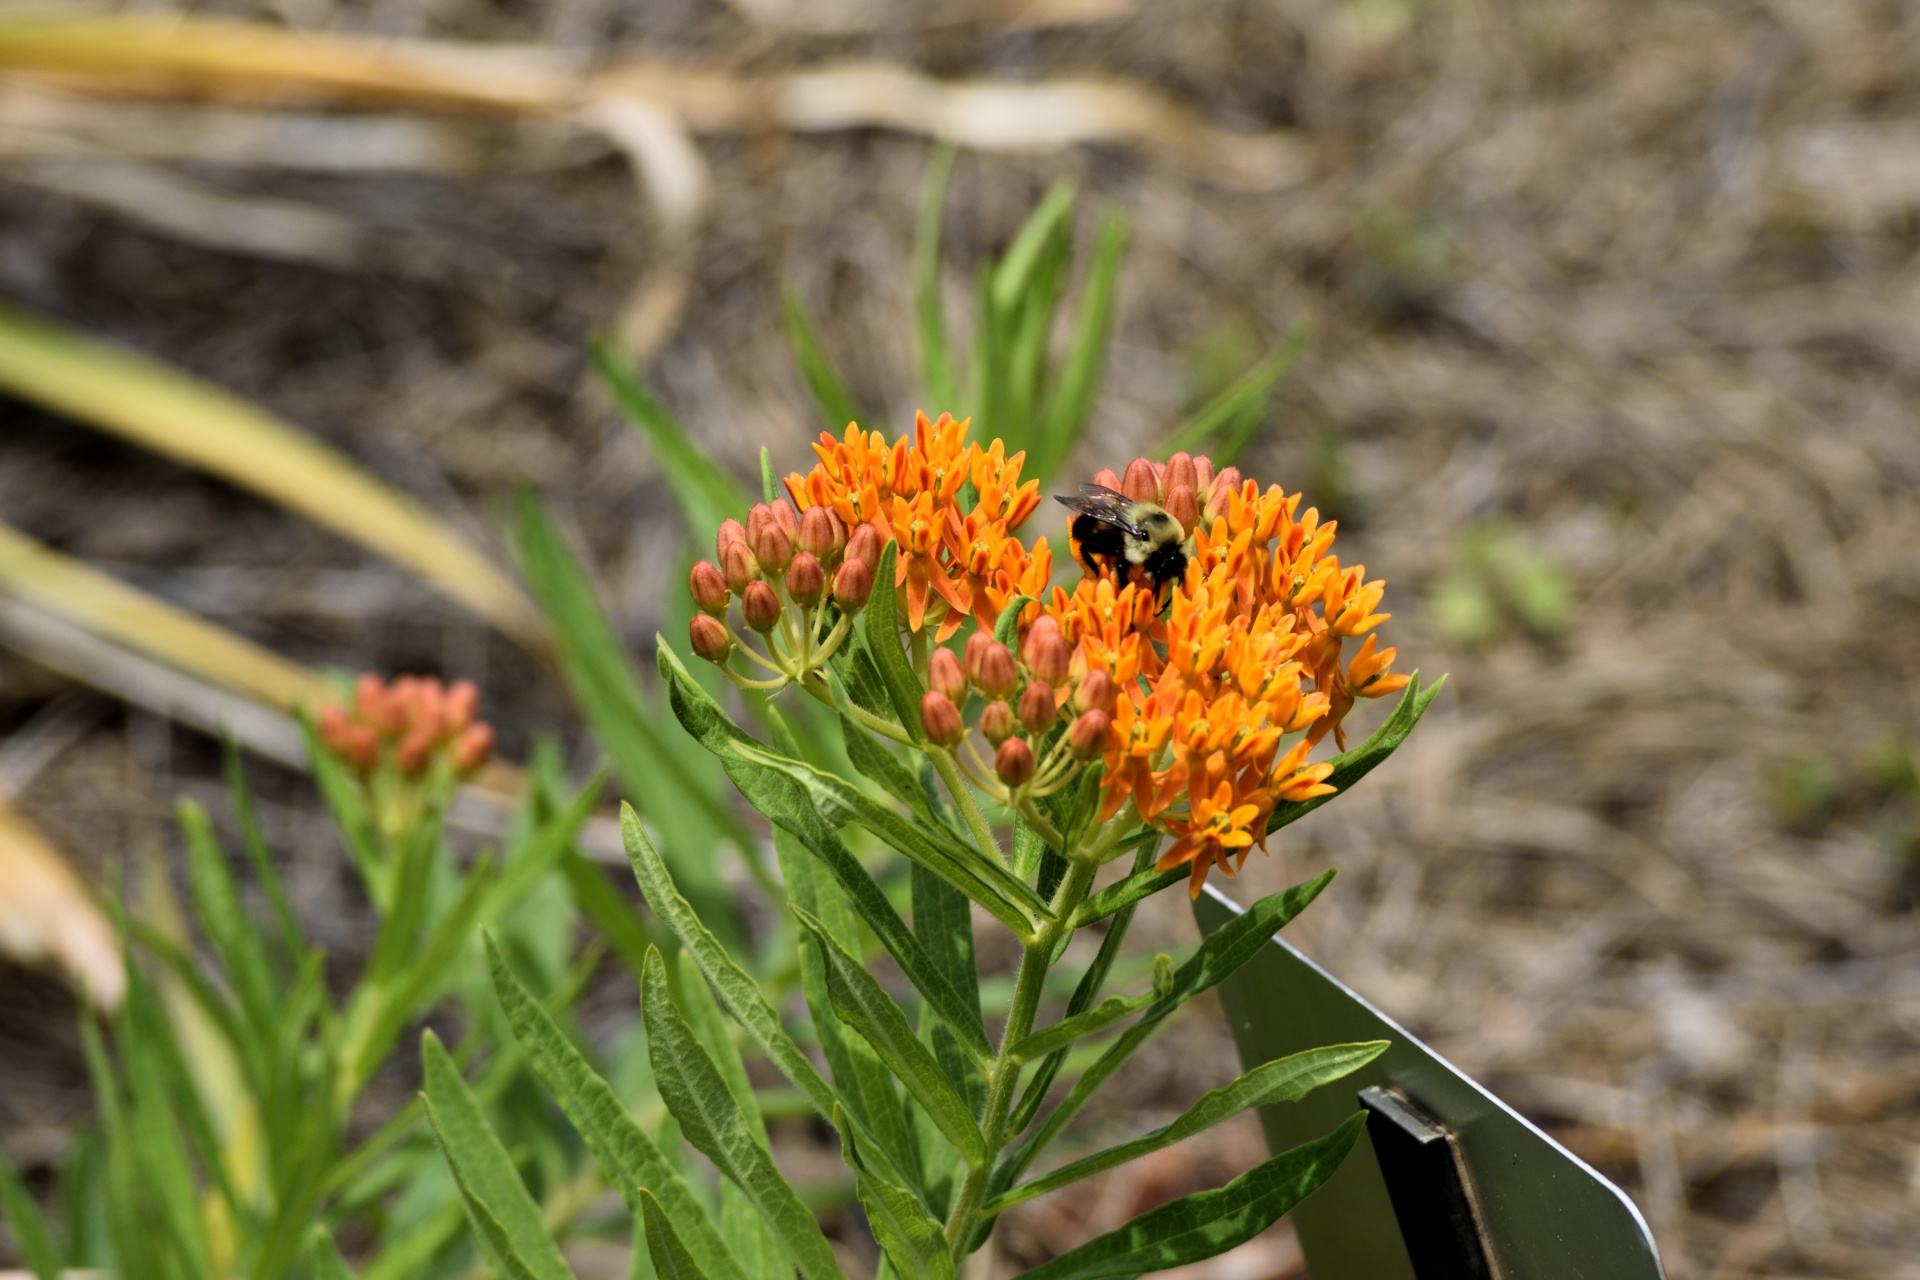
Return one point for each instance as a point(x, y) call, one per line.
point(996, 672)
point(941, 719)
point(737, 566)
point(773, 548)
point(852, 585)
point(709, 589)
point(806, 580)
point(758, 516)
point(1183, 506)
point(1047, 655)
point(1202, 474)
point(1140, 483)
point(760, 607)
point(333, 726)
point(822, 534)
point(474, 746)
point(710, 638)
point(865, 545)
point(1106, 478)
point(361, 747)
point(1037, 708)
point(731, 532)
point(463, 703)
point(1180, 471)
point(1013, 762)
point(377, 706)
point(944, 674)
point(1096, 693)
point(997, 723)
point(1222, 492)
point(414, 752)
point(1088, 736)
point(784, 517)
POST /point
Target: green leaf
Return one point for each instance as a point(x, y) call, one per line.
point(786, 806)
point(703, 1015)
point(158, 1149)
point(1209, 1223)
point(1007, 629)
point(342, 795)
point(502, 1210)
point(769, 485)
point(1212, 962)
point(624, 1151)
point(292, 941)
point(216, 901)
point(698, 1098)
point(653, 767)
point(541, 851)
point(29, 1228)
point(606, 909)
point(988, 883)
point(1015, 272)
point(323, 1260)
point(671, 1259)
point(865, 1006)
point(1282, 1080)
point(1125, 893)
point(1225, 423)
point(943, 921)
point(883, 642)
point(910, 1236)
point(1067, 1030)
point(706, 493)
point(938, 385)
point(877, 763)
point(836, 406)
point(1351, 766)
point(1065, 416)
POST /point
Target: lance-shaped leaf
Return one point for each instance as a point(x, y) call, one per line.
point(504, 1214)
point(1225, 424)
point(1215, 960)
point(912, 1239)
point(30, 1233)
point(323, 1258)
point(883, 642)
point(988, 883)
point(1067, 1030)
point(672, 1260)
point(216, 901)
point(1282, 1080)
point(625, 1152)
point(698, 1098)
point(829, 392)
point(1079, 376)
point(878, 764)
point(937, 382)
point(1209, 1223)
point(706, 492)
point(864, 1005)
point(1351, 766)
point(943, 921)
point(786, 805)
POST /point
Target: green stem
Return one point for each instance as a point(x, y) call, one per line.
point(1005, 1074)
point(943, 764)
point(816, 684)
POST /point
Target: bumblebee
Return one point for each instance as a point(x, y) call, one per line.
point(1132, 540)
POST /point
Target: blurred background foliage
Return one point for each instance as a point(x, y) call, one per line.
point(1595, 321)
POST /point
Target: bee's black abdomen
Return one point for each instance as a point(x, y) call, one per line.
point(1097, 541)
point(1167, 563)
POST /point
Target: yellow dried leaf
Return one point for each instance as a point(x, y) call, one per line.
point(47, 916)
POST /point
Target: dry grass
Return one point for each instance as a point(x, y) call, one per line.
point(1637, 279)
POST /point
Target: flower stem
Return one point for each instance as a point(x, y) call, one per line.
point(949, 771)
point(1005, 1073)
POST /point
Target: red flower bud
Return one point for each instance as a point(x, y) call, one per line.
point(760, 607)
point(332, 728)
point(729, 534)
point(996, 673)
point(1047, 655)
point(996, 723)
point(865, 545)
point(1088, 736)
point(1140, 483)
point(1180, 471)
point(361, 748)
point(473, 748)
point(710, 638)
point(1105, 477)
point(773, 548)
point(784, 517)
point(737, 566)
point(977, 643)
point(1202, 474)
point(853, 584)
point(1037, 708)
point(822, 534)
point(463, 703)
point(944, 674)
point(757, 517)
point(377, 706)
point(1183, 506)
point(1096, 693)
point(709, 589)
point(806, 580)
point(941, 719)
point(1224, 486)
point(1014, 762)
point(415, 750)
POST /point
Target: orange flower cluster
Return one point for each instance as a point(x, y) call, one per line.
point(412, 721)
point(952, 561)
point(1249, 652)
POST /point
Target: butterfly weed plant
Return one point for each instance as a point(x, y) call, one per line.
point(1009, 740)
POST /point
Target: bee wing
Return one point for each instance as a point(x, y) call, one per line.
point(1106, 505)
